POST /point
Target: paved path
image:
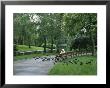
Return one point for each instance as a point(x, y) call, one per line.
point(32, 67)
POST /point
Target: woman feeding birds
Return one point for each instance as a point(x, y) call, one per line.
point(62, 51)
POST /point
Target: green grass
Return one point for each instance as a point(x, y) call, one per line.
point(33, 48)
point(31, 56)
point(26, 48)
point(75, 69)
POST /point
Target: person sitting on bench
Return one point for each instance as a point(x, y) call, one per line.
point(62, 51)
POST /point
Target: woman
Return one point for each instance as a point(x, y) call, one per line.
point(62, 51)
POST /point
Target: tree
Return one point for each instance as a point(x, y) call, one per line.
point(24, 28)
point(74, 23)
point(53, 29)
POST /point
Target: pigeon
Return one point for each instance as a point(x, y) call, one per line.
point(81, 63)
point(43, 59)
point(52, 58)
point(37, 58)
point(75, 62)
point(33, 57)
point(65, 63)
point(75, 59)
point(71, 62)
point(48, 58)
point(88, 62)
point(91, 60)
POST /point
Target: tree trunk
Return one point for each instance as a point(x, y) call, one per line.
point(35, 42)
point(93, 45)
point(70, 48)
point(23, 35)
point(92, 40)
point(57, 48)
point(52, 46)
point(45, 44)
point(86, 50)
point(29, 45)
point(23, 41)
point(20, 40)
point(29, 41)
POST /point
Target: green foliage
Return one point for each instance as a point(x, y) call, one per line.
point(76, 69)
point(25, 28)
point(53, 29)
point(78, 25)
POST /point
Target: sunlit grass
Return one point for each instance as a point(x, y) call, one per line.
point(67, 68)
point(26, 48)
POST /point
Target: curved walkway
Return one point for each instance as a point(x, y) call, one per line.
point(32, 67)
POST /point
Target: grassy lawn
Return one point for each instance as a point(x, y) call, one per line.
point(26, 48)
point(31, 56)
point(67, 68)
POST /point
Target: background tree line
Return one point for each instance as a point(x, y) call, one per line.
point(50, 30)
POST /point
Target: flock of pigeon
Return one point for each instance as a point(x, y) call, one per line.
point(76, 61)
point(48, 58)
point(55, 60)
